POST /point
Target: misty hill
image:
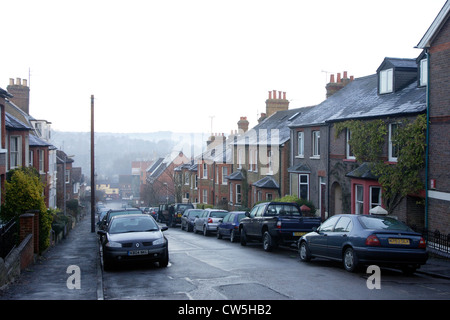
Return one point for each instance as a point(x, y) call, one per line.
point(114, 152)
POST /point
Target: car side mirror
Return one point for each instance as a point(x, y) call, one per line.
point(247, 214)
point(314, 229)
point(164, 228)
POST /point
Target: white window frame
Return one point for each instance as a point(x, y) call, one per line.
point(378, 201)
point(423, 80)
point(303, 183)
point(393, 154)
point(300, 144)
point(15, 151)
point(224, 175)
point(204, 195)
point(316, 144)
point(348, 148)
point(359, 203)
point(205, 170)
point(41, 161)
point(238, 194)
point(386, 84)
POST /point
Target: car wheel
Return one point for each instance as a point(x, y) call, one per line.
point(243, 237)
point(233, 236)
point(164, 262)
point(205, 231)
point(350, 260)
point(219, 236)
point(107, 264)
point(303, 250)
point(268, 242)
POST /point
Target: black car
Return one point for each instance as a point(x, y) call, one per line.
point(365, 239)
point(188, 217)
point(134, 237)
point(103, 224)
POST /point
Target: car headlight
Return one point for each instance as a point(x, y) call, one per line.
point(158, 241)
point(113, 244)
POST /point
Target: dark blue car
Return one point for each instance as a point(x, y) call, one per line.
point(229, 227)
point(365, 240)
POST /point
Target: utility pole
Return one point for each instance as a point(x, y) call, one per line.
point(92, 168)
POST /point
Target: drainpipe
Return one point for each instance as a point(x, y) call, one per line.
point(427, 53)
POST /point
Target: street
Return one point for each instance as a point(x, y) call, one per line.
point(206, 268)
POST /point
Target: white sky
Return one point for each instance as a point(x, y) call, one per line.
point(174, 64)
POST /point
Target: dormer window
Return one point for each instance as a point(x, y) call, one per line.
point(386, 81)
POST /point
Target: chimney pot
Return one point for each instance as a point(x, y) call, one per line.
point(24, 82)
point(11, 81)
point(284, 95)
point(274, 94)
point(351, 78)
point(345, 74)
point(339, 77)
point(270, 95)
point(332, 78)
point(19, 81)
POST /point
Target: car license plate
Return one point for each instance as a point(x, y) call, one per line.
point(298, 234)
point(399, 241)
point(137, 252)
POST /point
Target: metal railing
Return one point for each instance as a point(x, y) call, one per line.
point(8, 237)
point(438, 242)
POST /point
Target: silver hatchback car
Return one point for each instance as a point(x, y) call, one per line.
point(209, 220)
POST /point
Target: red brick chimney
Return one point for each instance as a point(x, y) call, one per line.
point(20, 93)
point(333, 87)
point(243, 124)
point(274, 103)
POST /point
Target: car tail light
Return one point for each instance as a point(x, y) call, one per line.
point(279, 225)
point(210, 220)
point(422, 243)
point(372, 241)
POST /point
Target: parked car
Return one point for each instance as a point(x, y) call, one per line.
point(229, 227)
point(134, 237)
point(188, 217)
point(275, 223)
point(103, 224)
point(358, 240)
point(171, 214)
point(153, 211)
point(209, 220)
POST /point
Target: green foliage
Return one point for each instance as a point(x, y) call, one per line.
point(400, 179)
point(299, 201)
point(24, 192)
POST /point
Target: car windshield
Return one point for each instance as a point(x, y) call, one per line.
point(282, 209)
point(194, 213)
point(385, 223)
point(218, 214)
point(133, 224)
point(183, 207)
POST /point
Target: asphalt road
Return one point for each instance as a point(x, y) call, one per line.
point(206, 268)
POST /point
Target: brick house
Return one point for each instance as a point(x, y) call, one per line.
point(35, 141)
point(161, 183)
point(309, 157)
point(436, 59)
point(3, 152)
point(327, 171)
point(261, 155)
point(213, 167)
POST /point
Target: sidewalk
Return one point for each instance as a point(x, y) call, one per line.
point(47, 279)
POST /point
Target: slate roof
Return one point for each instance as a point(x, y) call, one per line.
point(279, 121)
point(267, 183)
point(37, 142)
point(362, 172)
point(360, 99)
point(14, 123)
point(237, 175)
